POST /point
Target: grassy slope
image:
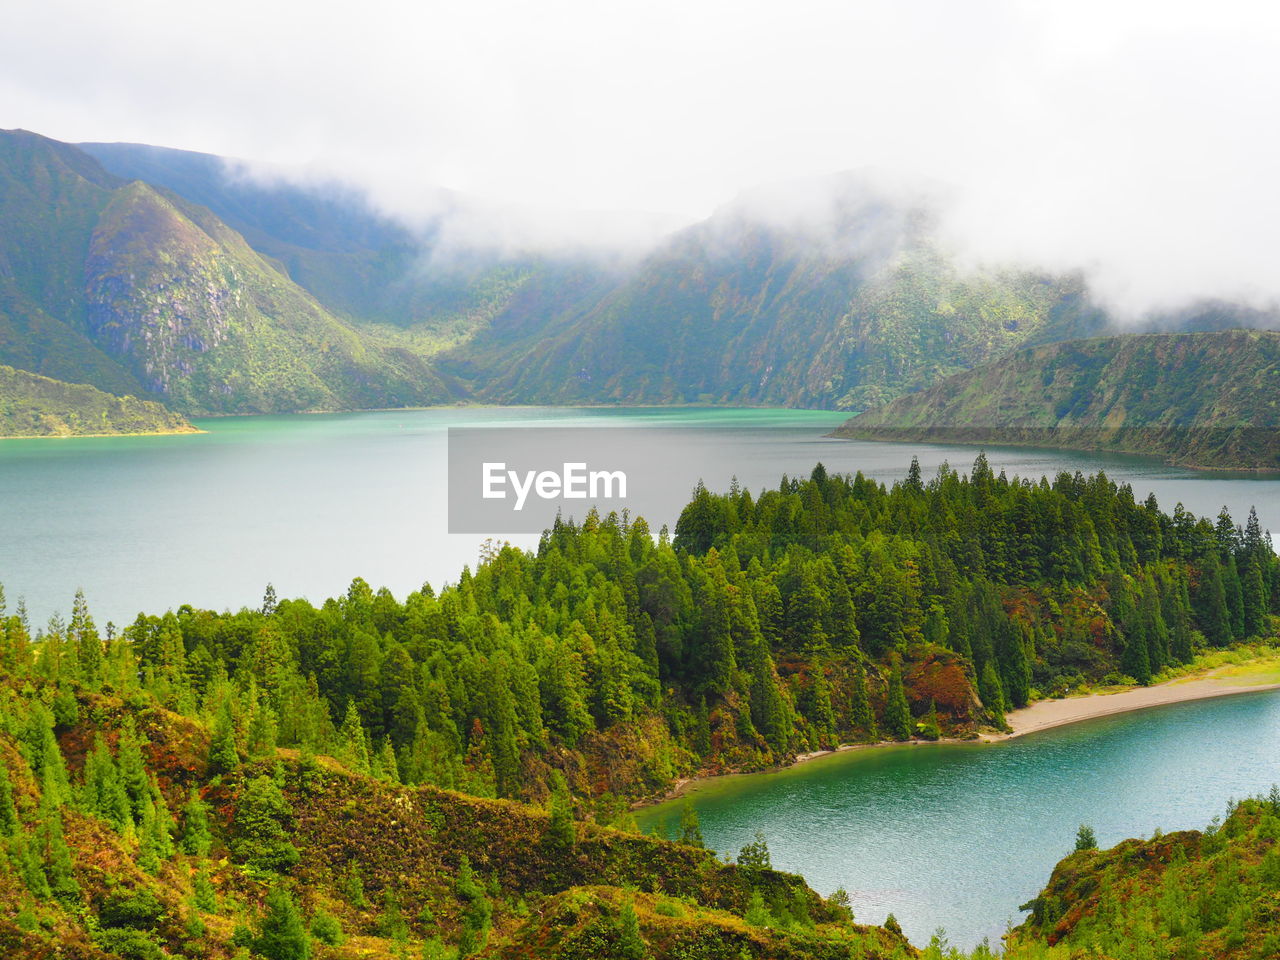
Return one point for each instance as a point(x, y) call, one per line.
point(36, 406)
point(1188, 894)
point(547, 897)
point(1198, 399)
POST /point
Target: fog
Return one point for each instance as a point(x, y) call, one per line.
point(1136, 141)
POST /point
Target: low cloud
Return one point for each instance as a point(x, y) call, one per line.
point(1135, 141)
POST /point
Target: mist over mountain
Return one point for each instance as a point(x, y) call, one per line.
point(180, 277)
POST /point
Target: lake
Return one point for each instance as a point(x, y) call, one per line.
point(308, 502)
point(959, 835)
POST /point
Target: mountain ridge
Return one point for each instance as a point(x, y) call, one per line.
point(1209, 399)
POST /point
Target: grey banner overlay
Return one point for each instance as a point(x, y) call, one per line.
point(532, 473)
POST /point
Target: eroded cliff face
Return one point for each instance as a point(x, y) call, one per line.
point(208, 324)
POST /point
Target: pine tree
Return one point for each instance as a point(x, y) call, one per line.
point(631, 944)
point(862, 717)
point(991, 693)
point(353, 746)
point(223, 754)
point(206, 898)
point(197, 837)
point(897, 712)
point(260, 839)
point(477, 911)
point(690, 828)
point(282, 935)
point(58, 865)
point(104, 794)
point(9, 823)
point(87, 643)
point(561, 829)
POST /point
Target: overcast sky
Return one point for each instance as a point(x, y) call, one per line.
point(1139, 140)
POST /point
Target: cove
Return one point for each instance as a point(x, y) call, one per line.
point(959, 835)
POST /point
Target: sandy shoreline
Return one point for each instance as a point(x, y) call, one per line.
point(1042, 715)
point(1046, 714)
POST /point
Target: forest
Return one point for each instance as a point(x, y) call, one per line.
point(830, 609)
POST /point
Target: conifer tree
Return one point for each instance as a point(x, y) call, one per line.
point(260, 838)
point(282, 935)
point(862, 717)
point(690, 828)
point(991, 693)
point(83, 635)
point(897, 712)
point(9, 823)
point(631, 944)
point(224, 757)
point(353, 747)
point(561, 830)
point(477, 911)
point(197, 836)
point(58, 865)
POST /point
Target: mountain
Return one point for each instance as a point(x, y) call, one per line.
point(845, 304)
point(1194, 399)
point(218, 287)
point(359, 263)
point(36, 406)
point(134, 289)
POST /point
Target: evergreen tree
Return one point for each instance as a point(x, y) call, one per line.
point(561, 830)
point(224, 757)
point(690, 828)
point(260, 839)
point(87, 643)
point(281, 933)
point(1085, 838)
point(862, 717)
point(477, 911)
point(631, 945)
point(197, 837)
point(9, 823)
point(353, 746)
point(992, 695)
point(897, 712)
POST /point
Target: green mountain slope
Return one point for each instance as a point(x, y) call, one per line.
point(36, 406)
point(357, 262)
point(742, 310)
point(1196, 399)
point(135, 290)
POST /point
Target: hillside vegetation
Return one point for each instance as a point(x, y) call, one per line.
point(449, 776)
point(1212, 893)
point(36, 406)
point(1193, 399)
point(136, 291)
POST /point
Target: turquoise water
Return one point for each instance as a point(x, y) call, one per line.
point(958, 836)
point(309, 502)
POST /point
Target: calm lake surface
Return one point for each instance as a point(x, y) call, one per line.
point(959, 836)
point(952, 835)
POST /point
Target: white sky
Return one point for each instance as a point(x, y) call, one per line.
point(1139, 140)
